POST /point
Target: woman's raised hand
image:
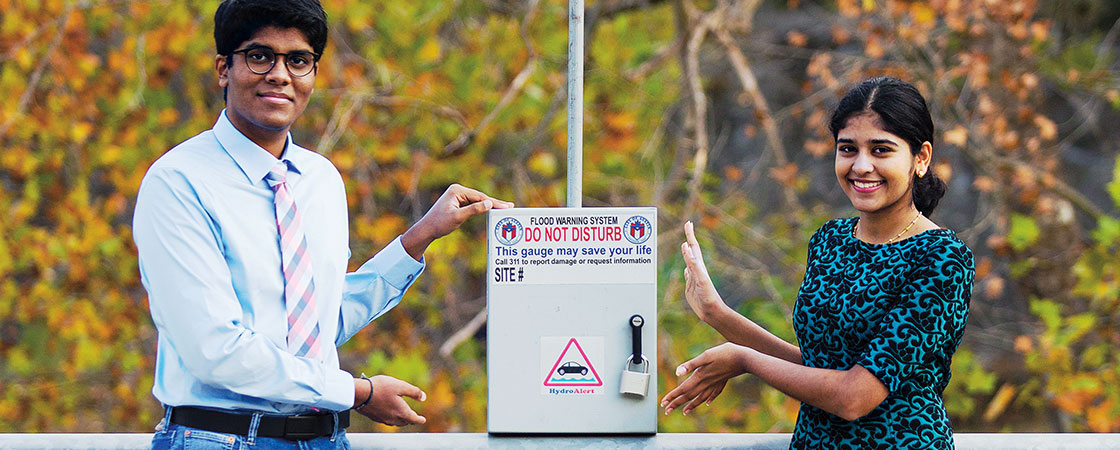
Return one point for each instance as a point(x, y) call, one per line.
point(699, 291)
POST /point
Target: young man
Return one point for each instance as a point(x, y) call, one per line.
point(243, 246)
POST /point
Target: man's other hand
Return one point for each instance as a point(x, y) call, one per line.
point(387, 405)
point(454, 207)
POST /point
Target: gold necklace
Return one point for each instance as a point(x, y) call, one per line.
point(912, 222)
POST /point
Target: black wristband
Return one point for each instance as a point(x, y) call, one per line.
point(368, 397)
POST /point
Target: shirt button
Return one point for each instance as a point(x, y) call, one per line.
point(410, 277)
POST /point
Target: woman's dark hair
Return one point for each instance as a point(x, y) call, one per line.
point(903, 113)
point(236, 21)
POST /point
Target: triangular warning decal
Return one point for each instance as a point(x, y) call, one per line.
point(573, 368)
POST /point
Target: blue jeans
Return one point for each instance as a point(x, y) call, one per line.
point(174, 436)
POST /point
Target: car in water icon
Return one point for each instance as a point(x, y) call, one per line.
point(571, 367)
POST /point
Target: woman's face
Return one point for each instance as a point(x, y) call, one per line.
point(875, 168)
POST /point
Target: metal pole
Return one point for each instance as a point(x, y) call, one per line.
point(575, 103)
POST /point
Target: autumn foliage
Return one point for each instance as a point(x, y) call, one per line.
point(710, 110)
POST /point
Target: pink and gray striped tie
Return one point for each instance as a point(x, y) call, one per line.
point(299, 287)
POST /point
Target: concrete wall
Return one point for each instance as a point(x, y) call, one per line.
point(982, 441)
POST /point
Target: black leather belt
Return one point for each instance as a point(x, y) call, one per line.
point(297, 428)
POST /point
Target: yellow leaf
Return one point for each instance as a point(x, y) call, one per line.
point(999, 402)
point(623, 122)
point(110, 154)
point(868, 5)
point(80, 131)
point(386, 227)
point(430, 51)
point(922, 13)
point(543, 163)
point(24, 58)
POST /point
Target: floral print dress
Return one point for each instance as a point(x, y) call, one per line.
point(898, 310)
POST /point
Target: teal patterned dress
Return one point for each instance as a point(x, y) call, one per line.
point(898, 310)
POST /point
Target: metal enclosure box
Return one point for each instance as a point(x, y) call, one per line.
point(563, 284)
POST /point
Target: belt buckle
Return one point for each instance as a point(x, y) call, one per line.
point(301, 428)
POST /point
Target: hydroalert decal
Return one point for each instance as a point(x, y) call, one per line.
point(569, 365)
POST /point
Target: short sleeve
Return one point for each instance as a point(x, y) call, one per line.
point(919, 335)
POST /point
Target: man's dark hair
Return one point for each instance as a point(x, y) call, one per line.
point(236, 21)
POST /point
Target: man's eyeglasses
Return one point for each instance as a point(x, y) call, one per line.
point(261, 60)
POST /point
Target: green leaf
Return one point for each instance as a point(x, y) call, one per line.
point(1108, 231)
point(1114, 186)
point(1024, 232)
point(1049, 312)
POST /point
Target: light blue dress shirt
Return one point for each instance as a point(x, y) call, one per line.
point(205, 228)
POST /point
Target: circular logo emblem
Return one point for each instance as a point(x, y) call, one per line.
point(508, 231)
point(637, 229)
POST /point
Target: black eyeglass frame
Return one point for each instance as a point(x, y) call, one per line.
point(272, 65)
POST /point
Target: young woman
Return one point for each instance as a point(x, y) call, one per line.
point(883, 304)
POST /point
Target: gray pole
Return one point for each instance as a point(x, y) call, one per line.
point(575, 103)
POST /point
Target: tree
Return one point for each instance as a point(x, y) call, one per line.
point(710, 110)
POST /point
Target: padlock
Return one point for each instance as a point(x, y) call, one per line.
point(635, 383)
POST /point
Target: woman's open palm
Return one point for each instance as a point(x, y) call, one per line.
point(699, 292)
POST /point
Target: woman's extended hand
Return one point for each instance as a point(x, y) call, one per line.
point(710, 372)
point(699, 291)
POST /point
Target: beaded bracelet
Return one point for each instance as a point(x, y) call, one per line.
point(368, 397)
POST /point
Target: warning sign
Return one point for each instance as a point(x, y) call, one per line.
point(570, 364)
point(544, 246)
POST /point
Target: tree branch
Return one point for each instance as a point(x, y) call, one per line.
point(338, 124)
point(699, 102)
point(36, 75)
point(463, 334)
point(645, 68)
point(467, 135)
point(750, 86)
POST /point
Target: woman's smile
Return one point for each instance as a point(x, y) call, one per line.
point(866, 187)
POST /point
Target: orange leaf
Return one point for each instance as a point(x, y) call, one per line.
point(1099, 417)
point(733, 173)
point(943, 171)
point(1047, 130)
point(797, 39)
point(786, 175)
point(958, 136)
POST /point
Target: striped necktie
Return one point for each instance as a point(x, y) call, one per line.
point(299, 287)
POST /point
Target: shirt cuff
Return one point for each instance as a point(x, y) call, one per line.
point(339, 392)
point(395, 265)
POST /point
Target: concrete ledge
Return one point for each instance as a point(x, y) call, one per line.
point(982, 441)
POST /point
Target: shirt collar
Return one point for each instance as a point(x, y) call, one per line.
point(255, 161)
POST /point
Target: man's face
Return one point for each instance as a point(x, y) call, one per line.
point(259, 105)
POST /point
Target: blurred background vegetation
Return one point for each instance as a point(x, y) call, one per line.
point(710, 110)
